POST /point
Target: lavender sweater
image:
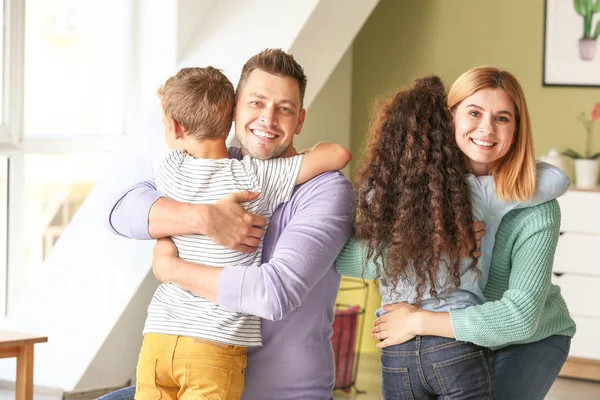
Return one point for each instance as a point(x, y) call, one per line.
point(294, 290)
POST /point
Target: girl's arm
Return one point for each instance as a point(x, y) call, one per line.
point(551, 183)
point(323, 157)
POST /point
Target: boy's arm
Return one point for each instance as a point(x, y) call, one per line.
point(142, 213)
point(323, 157)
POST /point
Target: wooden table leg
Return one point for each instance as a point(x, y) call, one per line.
point(24, 384)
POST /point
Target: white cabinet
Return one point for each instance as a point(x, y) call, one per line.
point(577, 271)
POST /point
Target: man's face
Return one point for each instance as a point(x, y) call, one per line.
point(267, 115)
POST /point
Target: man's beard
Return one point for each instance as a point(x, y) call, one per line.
point(274, 153)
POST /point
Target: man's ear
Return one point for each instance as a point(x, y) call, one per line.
point(301, 118)
point(177, 129)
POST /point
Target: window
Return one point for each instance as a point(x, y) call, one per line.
point(75, 53)
point(3, 230)
point(64, 87)
point(55, 187)
point(2, 65)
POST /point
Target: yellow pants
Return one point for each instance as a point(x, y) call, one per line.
point(178, 367)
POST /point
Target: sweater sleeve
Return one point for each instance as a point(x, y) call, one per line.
point(352, 261)
point(305, 250)
point(128, 215)
point(529, 247)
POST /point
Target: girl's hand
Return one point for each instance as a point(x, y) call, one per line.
point(399, 325)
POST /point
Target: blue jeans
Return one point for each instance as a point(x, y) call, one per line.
point(527, 371)
point(121, 394)
point(431, 367)
point(521, 372)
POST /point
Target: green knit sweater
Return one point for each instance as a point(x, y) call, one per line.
point(523, 306)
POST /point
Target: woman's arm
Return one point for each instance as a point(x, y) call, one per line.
point(352, 261)
point(521, 269)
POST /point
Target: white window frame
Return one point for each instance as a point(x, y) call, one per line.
point(14, 144)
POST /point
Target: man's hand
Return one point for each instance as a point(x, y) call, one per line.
point(163, 255)
point(230, 225)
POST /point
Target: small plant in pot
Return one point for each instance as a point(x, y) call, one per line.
point(587, 44)
point(586, 164)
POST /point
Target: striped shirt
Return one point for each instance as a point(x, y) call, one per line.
point(179, 176)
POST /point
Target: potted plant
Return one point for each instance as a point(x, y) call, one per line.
point(587, 44)
point(586, 164)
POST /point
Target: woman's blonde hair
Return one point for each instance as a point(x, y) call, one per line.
point(515, 173)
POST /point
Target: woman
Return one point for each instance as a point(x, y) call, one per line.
point(524, 316)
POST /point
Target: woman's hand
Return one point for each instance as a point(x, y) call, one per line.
point(399, 325)
point(163, 255)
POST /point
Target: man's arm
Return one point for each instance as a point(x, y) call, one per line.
point(128, 216)
point(306, 249)
point(142, 213)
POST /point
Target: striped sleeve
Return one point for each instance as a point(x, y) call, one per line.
point(165, 169)
point(277, 178)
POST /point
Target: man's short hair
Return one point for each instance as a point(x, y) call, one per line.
point(275, 62)
point(201, 100)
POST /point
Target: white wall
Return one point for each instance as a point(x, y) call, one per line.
point(328, 117)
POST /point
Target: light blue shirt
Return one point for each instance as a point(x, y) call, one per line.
point(487, 207)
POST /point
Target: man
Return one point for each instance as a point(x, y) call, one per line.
point(294, 290)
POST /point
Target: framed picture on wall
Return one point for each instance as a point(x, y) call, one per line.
point(572, 43)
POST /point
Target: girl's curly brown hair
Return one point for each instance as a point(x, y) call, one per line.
point(414, 202)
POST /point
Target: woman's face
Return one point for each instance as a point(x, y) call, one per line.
point(484, 126)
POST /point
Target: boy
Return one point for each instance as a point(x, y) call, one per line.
point(191, 346)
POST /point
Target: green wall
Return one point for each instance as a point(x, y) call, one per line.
point(405, 39)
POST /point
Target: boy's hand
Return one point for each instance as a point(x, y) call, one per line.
point(230, 225)
point(164, 252)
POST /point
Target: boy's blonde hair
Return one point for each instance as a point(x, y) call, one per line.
point(515, 173)
point(201, 100)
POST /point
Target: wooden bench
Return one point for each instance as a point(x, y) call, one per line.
point(20, 345)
